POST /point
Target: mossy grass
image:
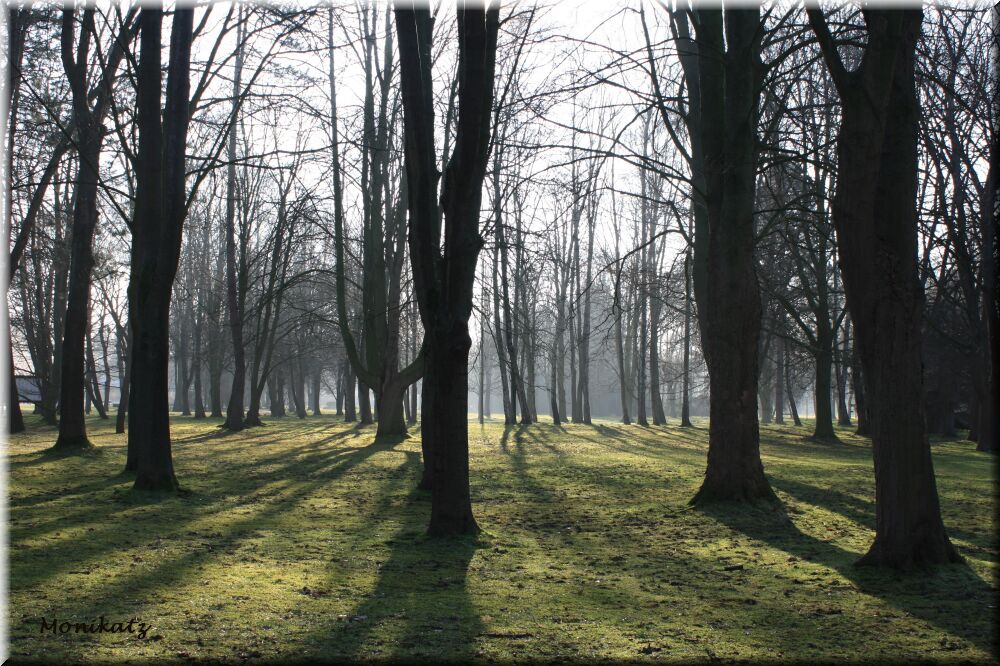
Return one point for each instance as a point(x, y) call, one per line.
point(307, 540)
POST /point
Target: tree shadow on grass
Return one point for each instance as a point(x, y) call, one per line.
point(940, 596)
point(419, 608)
point(51, 454)
point(168, 515)
point(855, 509)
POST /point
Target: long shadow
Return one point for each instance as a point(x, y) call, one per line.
point(146, 583)
point(160, 512)
point(67, 492)
point(51, 455)
point(853, 508)
point(419, 599)
point(940, 597)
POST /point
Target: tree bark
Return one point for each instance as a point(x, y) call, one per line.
point(72, 426)
point(874, 211)
point(157, 232)
point(444, 273)
point(730, 93)
point(234, 411)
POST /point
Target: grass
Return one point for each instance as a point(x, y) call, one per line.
point(304, 539)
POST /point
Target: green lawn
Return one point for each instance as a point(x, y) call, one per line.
point(304, 539)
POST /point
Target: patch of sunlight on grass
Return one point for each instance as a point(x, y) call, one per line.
point(306, 539)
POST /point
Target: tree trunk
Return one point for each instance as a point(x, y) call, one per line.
point(157, 232)
point(444, 272)
point(199, 400)
point(686, 388)
point(732, 313)
point(234, 411)
point(874, 211)
point(989, 415)
point(779, 380)
point(72, 426)
point(93, 387)
point(824, 410)
point(124, 382)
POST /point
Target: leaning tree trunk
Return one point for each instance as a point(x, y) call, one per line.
point(875, 215)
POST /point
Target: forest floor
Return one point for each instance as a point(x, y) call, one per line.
point(305, 540)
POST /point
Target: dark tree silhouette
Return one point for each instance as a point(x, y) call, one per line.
point(731, 306)
point(156, 242)
point(874, 211)
point(89, 140)
point(444, 260)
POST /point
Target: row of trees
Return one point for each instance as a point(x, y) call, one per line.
point(731, 210)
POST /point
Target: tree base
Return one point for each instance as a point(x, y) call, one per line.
point(466, 526)
point(750, 491)
point(907, 557)
point(71, 444)
point(825, 439)
point(390, 439)
point(156, 483)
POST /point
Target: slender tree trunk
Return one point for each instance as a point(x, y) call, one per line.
point(234, 411)
point(93, 387)
point(790, 392)
point(779, 380)
point(199, 401)
point(124, 381)
point(686, 389)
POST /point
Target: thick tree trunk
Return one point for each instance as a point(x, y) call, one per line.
point(989, 415)
point(874, 211)
point(446, 379)
point(732, 312)
point(72, 427)
point(157, 232)
point(444, 272)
